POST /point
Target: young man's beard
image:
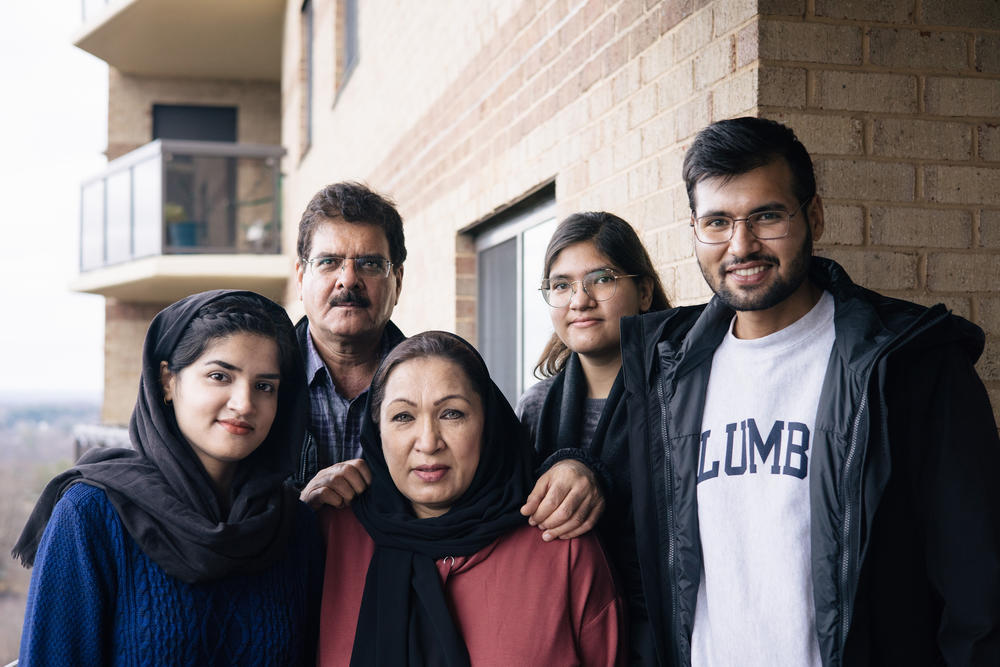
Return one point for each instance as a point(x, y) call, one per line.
point(781, 289)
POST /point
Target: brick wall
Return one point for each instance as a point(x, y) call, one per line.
point(899, 104)
point(125, 326)
point(458, 119)
point(131, 99)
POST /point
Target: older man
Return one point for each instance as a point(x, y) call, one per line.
point(349, 274)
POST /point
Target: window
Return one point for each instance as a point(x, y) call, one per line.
point(197, 123)
point(346, 40)
point(512, 319)
point(307, 75)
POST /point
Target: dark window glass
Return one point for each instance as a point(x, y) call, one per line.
point(497, 319)
point(197, 123)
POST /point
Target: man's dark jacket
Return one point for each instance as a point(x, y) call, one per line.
point(904, 482)
point(312, 459)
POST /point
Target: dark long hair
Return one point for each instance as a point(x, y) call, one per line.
point(613, 238)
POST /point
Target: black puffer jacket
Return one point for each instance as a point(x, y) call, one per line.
point(904, 485)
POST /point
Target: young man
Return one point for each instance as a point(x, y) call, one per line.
point(812, 462)
point(349, 274)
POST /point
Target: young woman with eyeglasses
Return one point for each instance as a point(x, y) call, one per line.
point(596, 272)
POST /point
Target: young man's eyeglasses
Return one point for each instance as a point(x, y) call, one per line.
point(599, 285)
point(369, 266)
point(764, 225)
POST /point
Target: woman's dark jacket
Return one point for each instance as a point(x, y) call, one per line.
point(904, 493)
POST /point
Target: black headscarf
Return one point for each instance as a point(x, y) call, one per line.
point(404, 618)
point(160, 489)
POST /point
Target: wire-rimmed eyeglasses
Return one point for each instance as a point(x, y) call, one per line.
point(764, 225)
point(369, 266)
point(599, 285)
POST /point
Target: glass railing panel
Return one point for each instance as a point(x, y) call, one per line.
point(92, 226)
point(119, 227)
point(147, 238)
point(256, 206)
point(182, 197)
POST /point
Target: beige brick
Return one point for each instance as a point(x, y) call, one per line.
point(988, 53)
point(961, 272)
point(989, 228)
point(675, 86)
point(921, 227)
point(627, 151)
point(866, 91)
point(692, 34)
point(782, 7)
point(810, 42)
point(747, 45)
point(658, 59)
point(673, 243)
point(673, 12)
point(962, 97)
point(671, 163)
point(900, 11)
point(961, 306)
point(643, 179)
point(837, 135)
point(876, 269)
point(642, 105)
point(988, 365)
point(735, 96)
point(962, 185)
point(864, 179)
point(843, 225)
point(657, 135)
point(642, 36)
point(600, 165)
point(626, 82)
point(713, 62)
point(969, 13)
point(781, 87)
point(689, 285)
point(732, 13)
point(919, 49)
point(989, 314)
point(691, 117)
point(895, 137)
point(989, 142)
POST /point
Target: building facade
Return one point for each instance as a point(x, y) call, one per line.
point(488, 121)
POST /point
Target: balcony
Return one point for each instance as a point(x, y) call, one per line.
point(176, 217)
point(221, 39)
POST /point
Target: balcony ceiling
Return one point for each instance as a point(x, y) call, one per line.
point(167, 278)
point(220, 39)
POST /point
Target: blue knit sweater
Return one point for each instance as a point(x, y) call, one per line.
point(97, 599)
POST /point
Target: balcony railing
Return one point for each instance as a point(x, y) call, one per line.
point(182, 197)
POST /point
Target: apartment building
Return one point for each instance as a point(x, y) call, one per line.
point(489, 120)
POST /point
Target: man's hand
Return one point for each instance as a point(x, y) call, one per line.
point(337, 485)
point(566, 501)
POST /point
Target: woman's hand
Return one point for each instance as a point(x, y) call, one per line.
point(566, 501)
point(337, 485)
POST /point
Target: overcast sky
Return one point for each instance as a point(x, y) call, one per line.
point(52, 134)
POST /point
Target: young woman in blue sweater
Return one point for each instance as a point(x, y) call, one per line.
point(188, 548)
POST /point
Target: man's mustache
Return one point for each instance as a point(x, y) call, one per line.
point(350, 298)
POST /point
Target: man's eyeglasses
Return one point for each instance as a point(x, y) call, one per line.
point(764, 225)
point(599, 285)
point(369, 266)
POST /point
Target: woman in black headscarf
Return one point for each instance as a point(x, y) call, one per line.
point(188, 548)
point(434, 564)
